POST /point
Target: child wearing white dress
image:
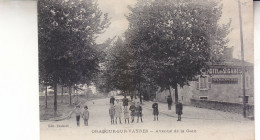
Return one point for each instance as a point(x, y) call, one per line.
point(126, 114)
point(85, 115)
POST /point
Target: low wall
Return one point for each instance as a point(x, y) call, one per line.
point(223, 106)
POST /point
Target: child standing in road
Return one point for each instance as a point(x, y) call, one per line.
point(125, 102)
point(85, 115)
point(179, 108)
point(112, 113)
point(112, 100)
point(139, 112)
point(126, 115)
point(155, 111)
point(118, 111)
point(78, 113)
point(132, 109)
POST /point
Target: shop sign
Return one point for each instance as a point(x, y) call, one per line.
point(224, 80)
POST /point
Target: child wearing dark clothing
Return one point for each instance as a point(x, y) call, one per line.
point(125, 102)
point(112, 100)
point(132, 109)
point(155, 111)
point(179, 108)
point(139, 112)
point(78, 114)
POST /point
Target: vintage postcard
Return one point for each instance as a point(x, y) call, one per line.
point(146, 69)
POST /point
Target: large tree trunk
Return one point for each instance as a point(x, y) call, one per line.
point(156, 95)
point(76, 93)
point(140, 96)
point(124, 94)
point(170, 91)
point(46, 96)
point(176, 93)
point(61, 94)
point(70, 94)
point(140, 93)
point(55, 98)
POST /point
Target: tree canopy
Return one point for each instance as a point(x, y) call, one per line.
point(176, 38)
point(67, 47)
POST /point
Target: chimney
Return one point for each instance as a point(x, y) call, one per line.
point(228, 53)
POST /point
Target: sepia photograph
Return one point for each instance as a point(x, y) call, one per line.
point(146, 69)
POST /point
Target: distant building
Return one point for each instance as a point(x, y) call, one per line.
point(50, 90)
point(220, 82)
point(81, 89)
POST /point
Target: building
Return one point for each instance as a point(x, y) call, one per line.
point(221, 82)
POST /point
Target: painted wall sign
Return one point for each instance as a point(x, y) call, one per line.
point(225, 80)
point(221, 71)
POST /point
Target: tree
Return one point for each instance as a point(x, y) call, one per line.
point(67, 33)
point(119, 67)
point(44, 88)
point(177, 38)
point(123, 70)
point(101, 80)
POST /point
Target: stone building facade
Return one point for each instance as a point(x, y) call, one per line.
point(221, 82)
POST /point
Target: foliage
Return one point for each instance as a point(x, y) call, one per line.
point(119, 69)
point(173, 40)
point(67, 33)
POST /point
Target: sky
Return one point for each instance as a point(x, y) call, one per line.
point(117, 9)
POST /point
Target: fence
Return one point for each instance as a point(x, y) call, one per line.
point(224, 106)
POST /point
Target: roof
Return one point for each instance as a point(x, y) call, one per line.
point(233, 62)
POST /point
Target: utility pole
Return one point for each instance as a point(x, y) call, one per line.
point(46, 96)
point(243, 61)
point(76, 93)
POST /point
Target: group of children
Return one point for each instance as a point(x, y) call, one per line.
point(84, 115)
point(115, 112)
point(136, 110)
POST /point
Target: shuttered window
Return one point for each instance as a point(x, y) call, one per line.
point(209, 82)
point(247, 81)
point(204, 83)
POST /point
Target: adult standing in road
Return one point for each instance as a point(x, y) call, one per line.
point(125, 102)
point(179, 108)
point(169, 101)
point(112, 100)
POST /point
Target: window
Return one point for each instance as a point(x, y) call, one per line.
point(247, 81)
point(204, 82)
point(209, 82)
point(198, 84)
point(203, 97)
point(246, 99)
